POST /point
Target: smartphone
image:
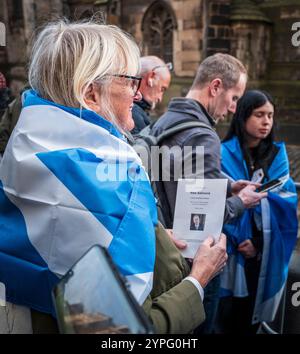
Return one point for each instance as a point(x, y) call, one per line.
point(94, 298)
point(269, 185)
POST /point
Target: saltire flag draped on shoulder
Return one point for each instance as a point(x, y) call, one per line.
point(69, 181)
point(276, 216)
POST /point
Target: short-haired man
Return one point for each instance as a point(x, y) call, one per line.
point(156, 78)
point(219, 83)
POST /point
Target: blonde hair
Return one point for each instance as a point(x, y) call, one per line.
point(68, 57)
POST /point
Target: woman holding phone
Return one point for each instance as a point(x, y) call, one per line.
point(261, 241)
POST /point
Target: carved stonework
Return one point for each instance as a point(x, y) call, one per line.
point(252, 46)
point(251, 37)
point(158, 27)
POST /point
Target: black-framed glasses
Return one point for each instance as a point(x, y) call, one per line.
point(135, 82)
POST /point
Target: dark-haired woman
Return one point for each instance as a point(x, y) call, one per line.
point(261, 241)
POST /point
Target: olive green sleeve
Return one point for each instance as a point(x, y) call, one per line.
point(174, 305)
point(179, 310)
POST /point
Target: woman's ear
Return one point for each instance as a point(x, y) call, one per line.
point(92, 98)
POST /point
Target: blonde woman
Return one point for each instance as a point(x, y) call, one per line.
point(70, 180)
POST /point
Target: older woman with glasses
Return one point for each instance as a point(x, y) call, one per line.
point(69, 180)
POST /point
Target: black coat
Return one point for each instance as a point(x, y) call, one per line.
point(140, 115)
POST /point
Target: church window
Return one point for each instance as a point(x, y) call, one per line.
point(158, 26)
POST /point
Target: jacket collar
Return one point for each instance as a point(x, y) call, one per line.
point(144, 105)
point(192, 107)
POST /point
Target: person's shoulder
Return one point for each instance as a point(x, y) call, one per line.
point(231, 145)
point(139, 116)
point(202, 136)
point(279, 145)
point(137, 109)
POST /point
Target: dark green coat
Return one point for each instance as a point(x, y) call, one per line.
point(173, 306)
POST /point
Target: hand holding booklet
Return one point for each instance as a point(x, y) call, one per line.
point(199, 211)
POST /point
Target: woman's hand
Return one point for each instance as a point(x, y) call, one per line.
point(247, 249)
point(209, 260)
point(181, 245)
point(249, 197)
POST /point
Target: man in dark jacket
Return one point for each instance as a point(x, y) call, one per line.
point(156, 79)
point(219, 83)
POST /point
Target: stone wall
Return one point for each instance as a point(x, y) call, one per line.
point(187, 35)
point(201, 28)
point(217, 31)
point(20, 32)
point(251, 44)
point(282, 76)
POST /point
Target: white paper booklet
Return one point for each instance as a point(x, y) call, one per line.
point(199, 211)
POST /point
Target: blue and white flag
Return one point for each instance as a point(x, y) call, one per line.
point(276, 217)
point(69, 181)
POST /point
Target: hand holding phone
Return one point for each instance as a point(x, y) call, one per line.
point(250, 197)
point(269, 185)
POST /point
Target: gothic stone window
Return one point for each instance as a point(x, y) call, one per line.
point(158, 26)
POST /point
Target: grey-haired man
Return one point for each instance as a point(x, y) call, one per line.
point(156, 78)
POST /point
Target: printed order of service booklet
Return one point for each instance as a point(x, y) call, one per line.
point(199, 211)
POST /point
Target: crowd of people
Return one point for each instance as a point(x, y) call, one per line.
point(61, 192)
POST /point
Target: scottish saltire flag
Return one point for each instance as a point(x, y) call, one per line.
point(69, 181)
point(276, 216)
